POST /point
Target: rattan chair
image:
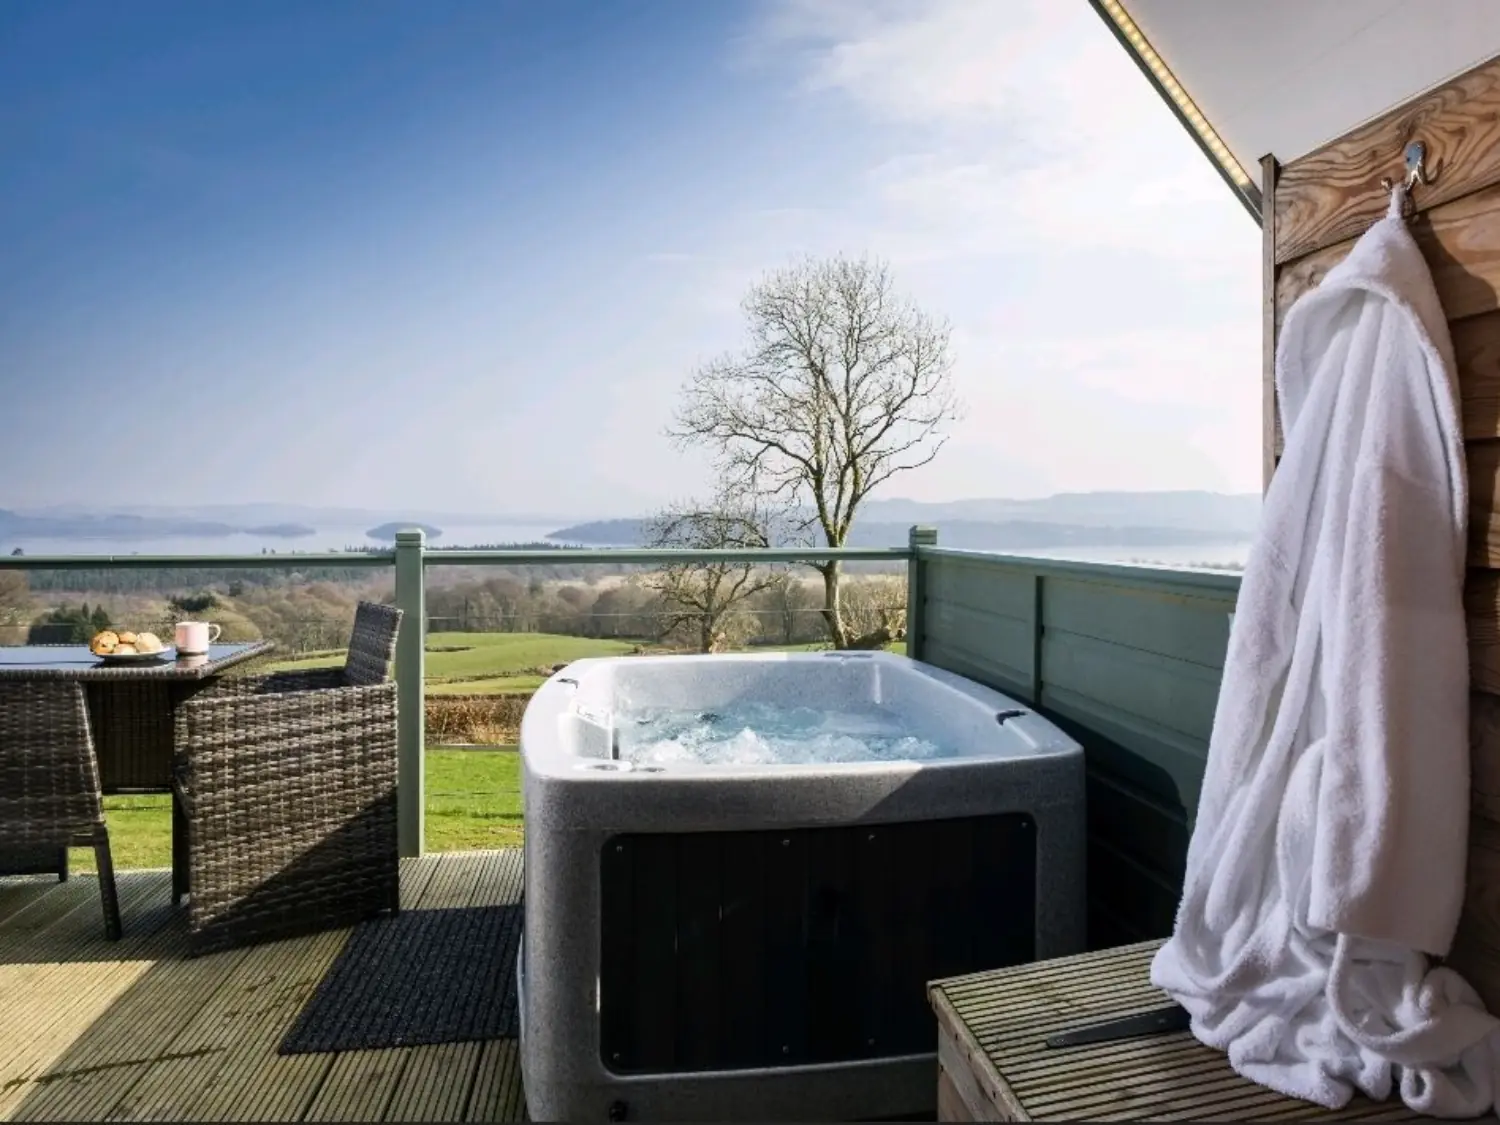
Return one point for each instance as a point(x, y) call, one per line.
point(285, 788)
point(49, 785)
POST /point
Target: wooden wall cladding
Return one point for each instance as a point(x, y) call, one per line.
point(1460, 240)
point(1320, 205)
point(1335, 193)
point(1476, 346)
point(1476, 952)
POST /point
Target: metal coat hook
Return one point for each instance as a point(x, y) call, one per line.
point(1416, 168)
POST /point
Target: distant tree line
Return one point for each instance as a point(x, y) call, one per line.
point(235, 580)
point(773, 606)
point(781, 607)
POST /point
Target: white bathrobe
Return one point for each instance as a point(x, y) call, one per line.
point(1327, 859)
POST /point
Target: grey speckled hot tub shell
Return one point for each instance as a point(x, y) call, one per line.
point(575, 800)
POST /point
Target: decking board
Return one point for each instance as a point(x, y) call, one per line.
point(993, 1031)
point(362, 1085)
point(134, 1030)
point(497, 1085)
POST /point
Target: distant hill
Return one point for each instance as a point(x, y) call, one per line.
point(1233, 513)
point(251, 516)
point(1067, 519)
point(971, 535)
point(14, 525)
point(1095, 519)
point(603, 533)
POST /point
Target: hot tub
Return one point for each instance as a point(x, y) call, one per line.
point(725, 924)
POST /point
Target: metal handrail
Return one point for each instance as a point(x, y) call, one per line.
point(194, 562)
point(619, 556)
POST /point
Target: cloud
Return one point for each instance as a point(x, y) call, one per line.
point(1123, 326)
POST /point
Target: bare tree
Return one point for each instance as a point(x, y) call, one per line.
point(706, 600)
point(788, 600)
point(844, 384)
point(875, 610)
point(15, 605)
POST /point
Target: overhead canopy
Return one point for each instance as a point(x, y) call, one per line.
point(1284, 77)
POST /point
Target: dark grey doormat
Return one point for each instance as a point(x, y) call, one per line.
point(424, 976)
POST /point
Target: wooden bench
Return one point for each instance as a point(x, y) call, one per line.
point(993, 1063)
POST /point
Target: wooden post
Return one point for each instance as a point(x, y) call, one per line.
point(1270, 170)
point(411, 599)
point(916, 591)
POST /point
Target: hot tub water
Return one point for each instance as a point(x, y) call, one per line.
point(750, 732)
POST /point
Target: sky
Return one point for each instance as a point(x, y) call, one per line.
point(463, 256)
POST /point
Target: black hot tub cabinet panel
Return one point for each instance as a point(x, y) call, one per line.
point(733, 950)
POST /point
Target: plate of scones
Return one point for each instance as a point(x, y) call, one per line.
point(125, 647)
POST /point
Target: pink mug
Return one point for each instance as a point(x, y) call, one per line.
point(193, 637)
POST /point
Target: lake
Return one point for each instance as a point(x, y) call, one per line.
point(1229, 554)
point(326, 539)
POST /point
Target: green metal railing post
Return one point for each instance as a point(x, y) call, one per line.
point(916, 589)
point(411, 722)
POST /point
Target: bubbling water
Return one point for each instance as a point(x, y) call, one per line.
point(750, 733)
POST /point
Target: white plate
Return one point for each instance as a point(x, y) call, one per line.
point(135, 657)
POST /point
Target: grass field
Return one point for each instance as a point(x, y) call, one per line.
point(490, 663)
point(473, 801)
point(493, 663)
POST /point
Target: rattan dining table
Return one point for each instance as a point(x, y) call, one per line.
point(130, 705)
point(131, 711)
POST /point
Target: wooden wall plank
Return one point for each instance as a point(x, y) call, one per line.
point(1484, 494)
point(1305, 274)
point(1334, 193)
point(1476, 347)
point(1476, 952)
point(1484, 754)
point(1479, 927)
point(1482, 606)
point(1460, 240)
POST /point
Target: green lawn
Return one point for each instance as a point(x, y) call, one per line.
point(490, 685)
point(488, 663)
point(473, 801)
point(492, 663)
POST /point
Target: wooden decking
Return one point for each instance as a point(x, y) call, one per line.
point(995, 1063)
point(133, 1030)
